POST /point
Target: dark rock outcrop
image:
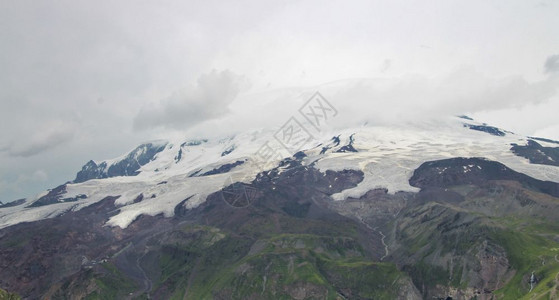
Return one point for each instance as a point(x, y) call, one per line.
point(53, 196)
point(223, 168)
point(537, 154)
point(456, 171)
point(486, 128)
point(128, 166)
point(349, 147)
point(13, 203)
point(228, 150)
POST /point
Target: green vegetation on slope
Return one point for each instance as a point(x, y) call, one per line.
point(326, 262)
point(301, 265)
point(529, 252)
point(105, 283)
point(4, 295)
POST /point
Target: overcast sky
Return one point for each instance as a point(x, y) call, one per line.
point(83, 80)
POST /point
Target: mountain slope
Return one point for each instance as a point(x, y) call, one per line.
point(387, 156)
point(439, 209)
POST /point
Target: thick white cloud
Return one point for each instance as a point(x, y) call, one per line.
point(49, 135)
point(208, 99)
point(416, 97)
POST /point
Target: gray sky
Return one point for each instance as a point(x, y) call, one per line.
point(83, 80)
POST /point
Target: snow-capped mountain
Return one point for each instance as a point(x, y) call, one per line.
point(165, 173)
point(435, 209)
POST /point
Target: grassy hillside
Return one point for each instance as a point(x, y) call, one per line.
point(4, 295)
